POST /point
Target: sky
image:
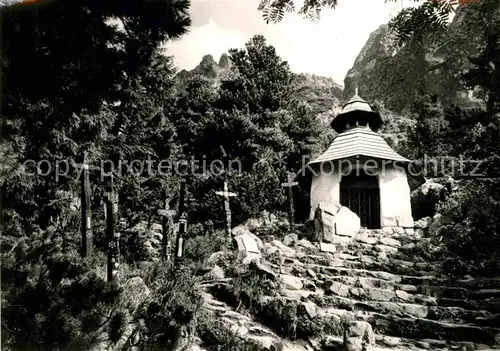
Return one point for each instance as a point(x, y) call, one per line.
point(327, 48)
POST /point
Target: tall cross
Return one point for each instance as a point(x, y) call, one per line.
point(86, 198)
point(181, 232)
point(226, 194)
point(167, 223)
point(289, 185)
point(111, 236)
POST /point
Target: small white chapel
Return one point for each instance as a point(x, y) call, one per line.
point(361, 171)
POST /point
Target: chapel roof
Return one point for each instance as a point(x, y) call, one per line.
point(356, 110)
point(360, 141)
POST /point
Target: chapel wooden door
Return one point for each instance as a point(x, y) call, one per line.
point(360, 193)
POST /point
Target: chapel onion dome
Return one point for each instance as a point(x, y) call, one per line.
point(356, 112)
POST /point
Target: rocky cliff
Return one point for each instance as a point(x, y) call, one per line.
point(384, 72)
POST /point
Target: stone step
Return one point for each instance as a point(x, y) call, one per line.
point(429, 290)
point(426, 328)
point(437, 313)
point(376, 294)
point(397, 267)
point(492, 305)
point(249, 333)
point(380, 250)
point(409, 280)
point(354, 272)
point(351, 307)
point(425, 344)
point(386, 321)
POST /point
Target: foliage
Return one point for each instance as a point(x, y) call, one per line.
point(473, 233)
point(254, 117)
point(96, 82)
point(171, 309)
point(51, 298)
point(427, 20)
point(67, 102)
point(217, 338)
point(200, 247)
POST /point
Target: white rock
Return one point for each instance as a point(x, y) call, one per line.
point(389, 242)
point(285, 250)
point(310, 308)
point(423, 223)
point(324, 221)
point(347, 222)
point(241, 230)
point(290, 239)
point(216, 273)
point(306, 244)
point(290, 282)
point(326, 247)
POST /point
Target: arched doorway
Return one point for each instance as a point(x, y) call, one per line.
point(360, 193)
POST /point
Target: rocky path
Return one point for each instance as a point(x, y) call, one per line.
point(388, 279)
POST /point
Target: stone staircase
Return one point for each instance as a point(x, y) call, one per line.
point(390, 279)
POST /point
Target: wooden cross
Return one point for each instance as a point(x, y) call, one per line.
point(111, 236)
point(86, 198)
point(181, 232)
point(289, 185)
point(226, 194)
point(167, 223)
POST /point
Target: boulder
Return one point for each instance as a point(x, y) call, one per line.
point(290, 282)
point(347, 222)
point(331, 220)
point(284, 250)
point(389, 241)
point(309, 308)
point(365, 239)
point(263, 269)
point(306, 244)
point(247, 247)
point(218, 257)
point(403, 295)
point(241, 230)
point(391, 341)
point(438, 221)
point(336, 288)
point(423, 223)
point(216, 273)
point(290, 239)
point(324, 221)
point(311, 273)
point(358, 336)
point(380, 294)
point(326, 247)
point(135, 292)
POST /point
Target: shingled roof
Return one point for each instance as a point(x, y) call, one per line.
point(359, 141)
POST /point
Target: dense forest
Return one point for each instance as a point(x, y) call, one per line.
point(90, 77)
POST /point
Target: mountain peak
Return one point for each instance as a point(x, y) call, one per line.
point(208, 59)
point(224, 61)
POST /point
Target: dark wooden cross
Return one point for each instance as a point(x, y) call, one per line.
point(181, 232)
point(167, 223)
point(111, 236)
point(226, 194)
point(85, 199)
point(289, 185)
